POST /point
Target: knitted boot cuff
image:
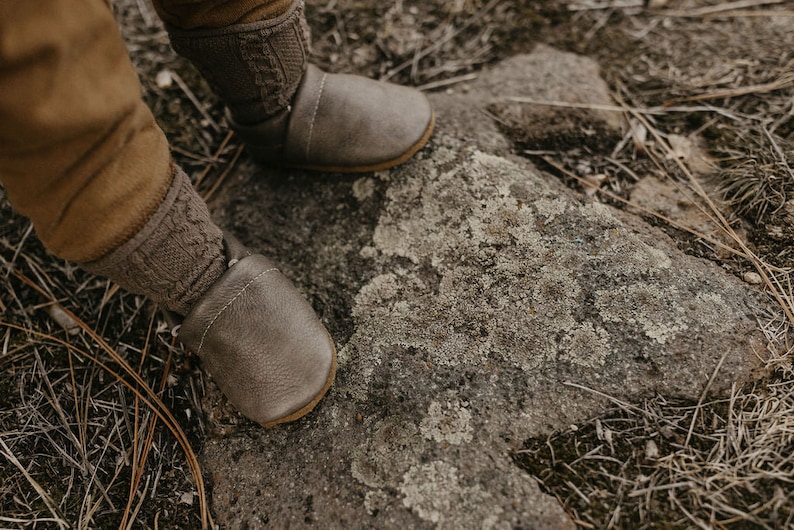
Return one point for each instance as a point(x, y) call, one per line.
point(254, 68)
point(175, 257)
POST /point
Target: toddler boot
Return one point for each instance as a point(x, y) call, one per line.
point(291, 113)
point(256, 335)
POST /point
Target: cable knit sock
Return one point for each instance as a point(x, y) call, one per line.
point(175, 257)
point(254, 68)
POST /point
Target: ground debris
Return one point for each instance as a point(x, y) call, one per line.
point(735, 472)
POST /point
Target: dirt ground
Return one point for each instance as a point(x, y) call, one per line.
point(713, 80)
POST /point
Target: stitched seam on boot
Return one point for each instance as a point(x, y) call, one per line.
point(314, 116)
point(230, 302)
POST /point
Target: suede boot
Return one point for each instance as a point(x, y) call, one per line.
point(256, 335)
point(293, 114)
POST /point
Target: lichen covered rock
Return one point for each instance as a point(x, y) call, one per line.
point(487, 298)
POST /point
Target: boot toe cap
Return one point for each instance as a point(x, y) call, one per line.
point(262, 343)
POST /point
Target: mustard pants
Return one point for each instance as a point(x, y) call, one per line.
point(80, 152)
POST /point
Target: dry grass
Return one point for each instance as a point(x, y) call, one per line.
point(90, 373)
point(665, 463)
point(87, 426)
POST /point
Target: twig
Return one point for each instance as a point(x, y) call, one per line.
point(195, 101)
point(139, 457)
point(597, 6)
point(752, 13)
point(663, 487)
point(578, 491)
point(703, 397)
point(28, 522)
point(651, 111)
point(784, 81)
point(721, 8)
point(447, 82)
point(212, 160)
point(779, 152)
point(18, 250)
point(622, 404)
point(567, 104)
point(225, 174)
point(137, 509)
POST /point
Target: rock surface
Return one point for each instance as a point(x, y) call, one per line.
point(473, 299)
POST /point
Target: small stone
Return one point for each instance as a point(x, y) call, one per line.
point(363, 189)
point(651, 450)
point(187, 498)
point(368, 252)
point(164, 79)
point(592, 183)
point(753, 278)
point(667, 432)
point(681, 147)
point(64, 319)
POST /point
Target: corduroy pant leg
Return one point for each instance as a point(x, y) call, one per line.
point(80, 153)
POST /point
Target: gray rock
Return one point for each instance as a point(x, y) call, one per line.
point(474, 300)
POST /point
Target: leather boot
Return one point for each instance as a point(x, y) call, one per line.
point(256, 335)
point(260, 340)
point(292, 114)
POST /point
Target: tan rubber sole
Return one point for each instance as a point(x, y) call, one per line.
point(374, 167)
point(313, 403)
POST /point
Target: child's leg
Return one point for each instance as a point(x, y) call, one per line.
point(80, 153)
point(81, 156)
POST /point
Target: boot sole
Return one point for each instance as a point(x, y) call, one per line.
point(374, 167)
point(313, 403)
